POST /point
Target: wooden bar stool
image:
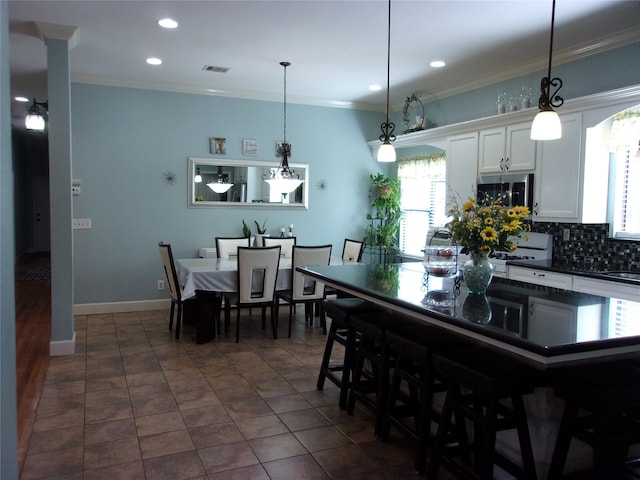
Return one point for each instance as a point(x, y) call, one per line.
point(412, 414)
point(370, 386)
point(478, 382)
point(602, 409)
point(340, 310)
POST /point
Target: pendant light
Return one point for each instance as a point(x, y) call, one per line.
point(198, 177)
point(220, 183)
point(386, 152)
point(283, 179)
point(35, 118)
point(546, 125)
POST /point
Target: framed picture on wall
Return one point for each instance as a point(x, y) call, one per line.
point(250, 147)
point(217, 145)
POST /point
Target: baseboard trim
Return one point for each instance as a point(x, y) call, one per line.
point(120, 307)
point(62, 347)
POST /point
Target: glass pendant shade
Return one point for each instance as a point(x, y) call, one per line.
point(219, 187)
point(386, 152)
point(198, 177)
point(546, 126)
point(284, 185)
point(34, 121)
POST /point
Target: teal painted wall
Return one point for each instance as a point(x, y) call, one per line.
point(125, 139)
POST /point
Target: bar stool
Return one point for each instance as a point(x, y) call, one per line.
point(339, 310)
point(486, 379)
point(602, 409)
point(413, 347)
point(370, 386)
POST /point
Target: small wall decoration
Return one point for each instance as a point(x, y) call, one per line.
point(322, 185)
point(217, 145)
point(249, 147)
point(169, 177)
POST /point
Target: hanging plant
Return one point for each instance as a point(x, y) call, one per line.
point(419, 124)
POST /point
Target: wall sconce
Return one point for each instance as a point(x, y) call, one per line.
point(35, 118)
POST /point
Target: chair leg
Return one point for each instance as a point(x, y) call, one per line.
point(173, 306)
point(291, 305)
point(563, 441)
point(238, 325)
point(178, 320)
point(264, 317)
point(274, 323)
point(324, 366)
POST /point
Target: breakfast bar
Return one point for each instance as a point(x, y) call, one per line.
point(542, 326)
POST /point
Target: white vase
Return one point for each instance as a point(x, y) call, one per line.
point(258, 240)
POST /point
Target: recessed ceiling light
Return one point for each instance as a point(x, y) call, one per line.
point(375, 88)
point(168, 23)
point(437, 64)
point(154, 61)
point(21, 99)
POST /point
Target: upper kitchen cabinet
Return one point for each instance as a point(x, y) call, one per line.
point(462, 155)
point(558, 177)
point(506, 149)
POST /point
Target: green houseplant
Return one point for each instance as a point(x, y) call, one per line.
point(382, 232)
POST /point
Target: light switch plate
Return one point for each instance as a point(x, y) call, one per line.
point(81, 223)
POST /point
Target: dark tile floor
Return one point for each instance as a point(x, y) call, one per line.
point(134, 403)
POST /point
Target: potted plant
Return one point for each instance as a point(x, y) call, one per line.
point(261, 229)
point(382, 232)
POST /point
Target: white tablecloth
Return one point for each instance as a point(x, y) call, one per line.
point(221, 274)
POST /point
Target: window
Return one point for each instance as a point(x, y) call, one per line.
point(424, 191)
point(624, 171)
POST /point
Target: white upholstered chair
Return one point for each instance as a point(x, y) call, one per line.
point(228, 246)
point(257, 273)
point(286, 243)
point(305, 290)
point(175, 290)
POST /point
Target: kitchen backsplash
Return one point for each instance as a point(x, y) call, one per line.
point(589, 247)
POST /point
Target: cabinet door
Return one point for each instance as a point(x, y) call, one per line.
point(559, 173)
point(540, 277)
point(491, 151)
point(462, 167)
point(551, 323)
point(520, 149)
point(613, 289)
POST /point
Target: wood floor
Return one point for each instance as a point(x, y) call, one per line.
point(33, 333)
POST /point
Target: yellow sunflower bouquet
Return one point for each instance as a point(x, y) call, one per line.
point(486, 226)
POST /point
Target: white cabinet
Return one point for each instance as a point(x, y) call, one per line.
point(507, 148)
point(462, 162)
point(540, 277)
point(613, 289)
point(559, 174)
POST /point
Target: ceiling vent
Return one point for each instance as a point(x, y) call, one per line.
point(213, 68)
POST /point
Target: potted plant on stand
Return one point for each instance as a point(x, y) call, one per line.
point(381, 236)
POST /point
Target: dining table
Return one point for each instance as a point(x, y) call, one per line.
point(205, 279)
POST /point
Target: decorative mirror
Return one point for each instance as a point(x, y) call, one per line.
point(242, 183)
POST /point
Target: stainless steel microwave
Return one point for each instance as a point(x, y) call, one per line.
point(512, 189)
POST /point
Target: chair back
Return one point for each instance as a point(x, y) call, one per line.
point(170, 271)
point(286, 243)
point(228, 246)
point(352, 250)
point(257, 272)
point(304, 288)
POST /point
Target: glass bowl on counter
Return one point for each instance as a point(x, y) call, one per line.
point(440, 269)
point(440, 254)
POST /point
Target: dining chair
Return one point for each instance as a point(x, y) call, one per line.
point(351, 253)
point(257, 273)
point(174, 286)
point(305, 290)
point(286, 243)
point(352, 250)
point(228, 246)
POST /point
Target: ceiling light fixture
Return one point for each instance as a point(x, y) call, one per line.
point(21, 99)
point(546, 125)
point(437, 64)
point(283, 179)
point(220, 183)
point(198, 177)
point(386, 152)
point(35, 117)
point(168, 23)
point(154, 61)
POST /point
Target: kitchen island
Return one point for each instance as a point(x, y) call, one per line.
point(534, 324)
point(542, 326)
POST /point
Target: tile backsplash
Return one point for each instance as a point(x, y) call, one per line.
point(590, 247)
